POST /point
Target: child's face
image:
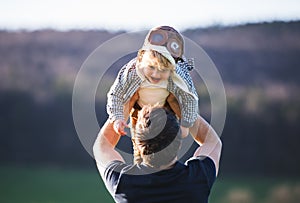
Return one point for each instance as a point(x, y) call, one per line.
point(152, 71)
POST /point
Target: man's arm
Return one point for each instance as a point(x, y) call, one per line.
point(104, 147)
point(209, 141)
point(204, 135)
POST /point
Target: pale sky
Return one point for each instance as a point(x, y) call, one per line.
point(132, 15)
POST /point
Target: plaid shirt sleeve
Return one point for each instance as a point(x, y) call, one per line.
point(116, 97)
point(188, 101)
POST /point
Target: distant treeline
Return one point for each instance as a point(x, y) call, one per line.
point(259, 65)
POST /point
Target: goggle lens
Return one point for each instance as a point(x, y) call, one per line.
point(161, 38)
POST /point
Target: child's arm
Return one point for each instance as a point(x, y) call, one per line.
point(116, 95)
point(188, 101)
point(114, 106)
point(189, 106)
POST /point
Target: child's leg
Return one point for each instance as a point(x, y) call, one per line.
point(174, 106)
point(131, 109)
point(133, 120)
point(129, 105)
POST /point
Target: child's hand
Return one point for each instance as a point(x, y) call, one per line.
point(119, 126)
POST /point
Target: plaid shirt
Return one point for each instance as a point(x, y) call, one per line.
point(128, 82)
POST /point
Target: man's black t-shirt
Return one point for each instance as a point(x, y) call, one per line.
point(184, 183)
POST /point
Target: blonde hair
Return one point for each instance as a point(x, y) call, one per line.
point(162, 62)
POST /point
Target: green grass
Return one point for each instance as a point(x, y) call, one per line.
point(256, 190)
point(51, 185)
point(55, 185)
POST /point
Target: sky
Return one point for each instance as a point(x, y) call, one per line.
point(133, 15)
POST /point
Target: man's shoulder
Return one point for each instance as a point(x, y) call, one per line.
point(203, 166)
point(117, 166)
point(124, 169)
point(200, 161)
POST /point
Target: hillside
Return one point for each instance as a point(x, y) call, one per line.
point(259, 65)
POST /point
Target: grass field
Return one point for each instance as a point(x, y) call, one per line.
point(55, 185)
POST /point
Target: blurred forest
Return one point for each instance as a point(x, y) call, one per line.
point(259, 65)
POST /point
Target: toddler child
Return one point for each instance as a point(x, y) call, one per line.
point(158, 75)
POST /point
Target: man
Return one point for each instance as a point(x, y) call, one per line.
point(160, 177)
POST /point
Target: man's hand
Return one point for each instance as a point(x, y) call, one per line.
point(184, 131)
point(119, 126)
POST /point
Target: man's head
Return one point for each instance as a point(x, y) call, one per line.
point(158, 136)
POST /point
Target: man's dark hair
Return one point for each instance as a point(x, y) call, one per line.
point(158, 136)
